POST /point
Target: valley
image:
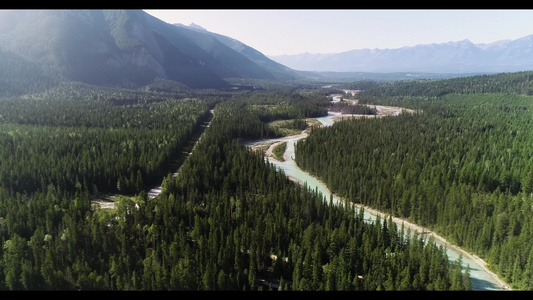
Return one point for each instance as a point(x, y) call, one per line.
point(138, 155)
point(238, 119)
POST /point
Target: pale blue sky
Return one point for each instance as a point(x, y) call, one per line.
point(276, 32)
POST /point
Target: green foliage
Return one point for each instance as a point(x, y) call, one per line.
point(229, 221)
point(461, 166)
point(112, 142)
point(394, 92)
point(285, 107)
point(19, 76)
point(288, 127)
point(279, 150)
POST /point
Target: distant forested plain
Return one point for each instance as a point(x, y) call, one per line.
point(229, 221)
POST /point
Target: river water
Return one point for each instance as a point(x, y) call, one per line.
point(481, 279)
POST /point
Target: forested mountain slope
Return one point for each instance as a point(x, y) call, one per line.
point(267, 67)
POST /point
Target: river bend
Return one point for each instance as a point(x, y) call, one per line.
point(482, 279)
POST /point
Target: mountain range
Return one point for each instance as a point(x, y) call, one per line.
point(452, 57)
point(40, 48)
point(114, 47)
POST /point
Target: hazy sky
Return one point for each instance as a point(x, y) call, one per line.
point(276, 32)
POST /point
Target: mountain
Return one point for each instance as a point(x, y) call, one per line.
point(236, 57)
point(279, 71)
point(118, 47)
point(452, 57)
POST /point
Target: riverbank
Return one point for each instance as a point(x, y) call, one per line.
point(383, 111)
point(415, 228)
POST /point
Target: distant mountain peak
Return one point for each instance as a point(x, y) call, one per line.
point(196, 26)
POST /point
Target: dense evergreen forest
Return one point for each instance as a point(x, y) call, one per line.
point(228, 221)
point(100, 141)
point(461, 166)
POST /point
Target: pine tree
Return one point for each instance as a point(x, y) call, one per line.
point(467, 283)
point(527, 182)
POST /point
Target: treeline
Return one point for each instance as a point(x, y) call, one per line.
point(393, 91)
point(355, 109)
point(229, 221)
point(283, 104)
point(256, 109)
point(462, 167)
